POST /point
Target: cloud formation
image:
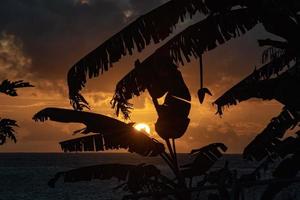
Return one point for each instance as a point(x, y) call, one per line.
point(13, 63)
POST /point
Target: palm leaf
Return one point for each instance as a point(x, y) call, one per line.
point(111, 133)
point(252, 84)
point(7, 130)
point(192, 42)
point(205, 158)
point(7, 125)
point(9, 88)
point(136, 177)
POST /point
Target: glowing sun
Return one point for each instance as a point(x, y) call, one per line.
point(142, 127)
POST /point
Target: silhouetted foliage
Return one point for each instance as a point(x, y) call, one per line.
point(7, 130)
point(205, 158)
point(159, 80)
point(192, 42)
point(289, 151)
point(261, 84)
point(276, 80)
point(223, 22)
point(158, 74)
point(7, 125)
point(136, 177)
point(111, 133)
point(139, 34)
point(10, 88)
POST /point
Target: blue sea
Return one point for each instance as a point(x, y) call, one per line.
point(24, 176)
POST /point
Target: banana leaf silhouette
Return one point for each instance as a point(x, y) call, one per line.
point(7, 125)
point(275, 80)
point(205, 158)
point(260, 84)
point(159, 80)
point(276, 17)
point(139, 34)
point(278, 88)
point(192, 42)
point(111, 133)
point(136, 178)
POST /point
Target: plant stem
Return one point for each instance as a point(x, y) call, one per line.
point(201, 71)
point(166, 158)
point(174, 168)
point(174, 151)
point(171, 152)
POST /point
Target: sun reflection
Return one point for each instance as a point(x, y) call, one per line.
point(143, 127)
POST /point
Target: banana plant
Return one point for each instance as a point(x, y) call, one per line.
point(158, 74)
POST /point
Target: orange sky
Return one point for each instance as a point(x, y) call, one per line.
point(43, 56)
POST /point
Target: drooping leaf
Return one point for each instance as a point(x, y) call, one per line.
point(205, 158)
point(111, 133)
point(9, 87)
point(136, 177)
point(192, 42)
point(260, 83)
point(268, 141)
point(7, 130)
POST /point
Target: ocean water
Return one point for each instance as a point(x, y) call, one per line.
point(24, 176)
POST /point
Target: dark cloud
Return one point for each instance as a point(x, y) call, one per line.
point(13, 63)
point(141, 7)
point(57, 33)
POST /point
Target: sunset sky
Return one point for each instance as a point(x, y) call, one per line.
point(41, 40)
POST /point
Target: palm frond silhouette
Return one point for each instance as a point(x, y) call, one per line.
point(10, 87)
point(7, 130)
point(7, 125)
